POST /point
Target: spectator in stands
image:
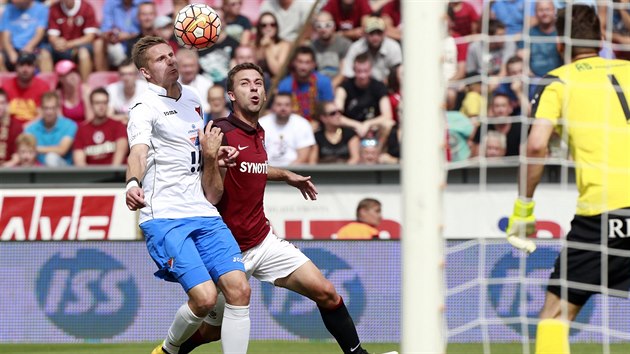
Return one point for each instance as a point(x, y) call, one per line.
point(26, 152)
point(330, 48)
point(500, 120)
point(235, 24)
point(163, 28)
point(147, 23)
point(305, 84)
point(22, 29)
point(620, 26)
point(464, 18)
point(390, 153)
point(24, 93)
point(369, 217)
point(473, 103)
point(335, 143)
point(385, 53)
point(188, 64)
point(120, 25)
point(217, 103)
point(515, 87)
point(511, 13)
point(349, 16)
point(125, 91)
point(290, 15)
point(478, 58)
point(369, 151)
point(494, 143)
point(391, 15)
point(544, 56)
point(288, 137)
point(101, 141)
point(394, 85)
point(54, 133)
point(6, 145)
point(73, 92)
point(364, 100)
point(215, 61)
point(243, 54)
point(460, 130)
point(72, 28)
point(271, 51)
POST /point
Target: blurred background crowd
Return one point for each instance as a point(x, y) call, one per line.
point(333, 71)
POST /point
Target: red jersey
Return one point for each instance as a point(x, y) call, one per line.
point(24, 102)
point(72, 23)
point(350, 19)
point(99, 141)
point(392, 9)
point(464, 18)
point(244, 185)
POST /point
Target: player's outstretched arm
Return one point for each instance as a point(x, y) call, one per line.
point(136, 167)
point(303, 183)
point(211, 178)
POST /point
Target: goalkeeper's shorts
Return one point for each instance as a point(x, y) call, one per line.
point(584, 266)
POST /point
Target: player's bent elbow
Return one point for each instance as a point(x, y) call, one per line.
point(535, 149)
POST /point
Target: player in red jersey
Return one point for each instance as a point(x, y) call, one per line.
point(266, 257)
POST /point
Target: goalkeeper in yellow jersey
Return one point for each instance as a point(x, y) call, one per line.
point(587, 98)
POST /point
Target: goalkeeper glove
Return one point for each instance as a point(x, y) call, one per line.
point(520, 224)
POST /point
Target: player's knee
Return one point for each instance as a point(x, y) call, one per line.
point(326, 295)
point(201, 306)
point(238, 294)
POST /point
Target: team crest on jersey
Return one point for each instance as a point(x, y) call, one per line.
point(198, 110)
point(193, 135)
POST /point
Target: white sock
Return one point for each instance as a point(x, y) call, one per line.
point(183, 326)
point(235, 329)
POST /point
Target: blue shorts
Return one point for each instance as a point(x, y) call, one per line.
point(192, 250)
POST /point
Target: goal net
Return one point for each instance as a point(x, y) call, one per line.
point(493, 293)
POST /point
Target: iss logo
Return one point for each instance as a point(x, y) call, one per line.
point(298, 314)
point(89, 296)
point(505, 296)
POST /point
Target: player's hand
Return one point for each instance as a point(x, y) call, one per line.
point(304, 184)
point(210, 141)
point(135, 198)
point(522, 223)
point(227, 156)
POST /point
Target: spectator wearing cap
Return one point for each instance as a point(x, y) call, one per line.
point(24, 91)
point(72, 30)
point(73, 92)
point(330, 47)
point(349, 15)
point(22, 29)
point(384, 52)
point(147, 22)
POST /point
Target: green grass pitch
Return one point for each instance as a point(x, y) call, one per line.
point(284, 347)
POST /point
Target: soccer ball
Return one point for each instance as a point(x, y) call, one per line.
point(197, 26)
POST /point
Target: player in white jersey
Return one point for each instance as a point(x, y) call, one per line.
point(185, 236)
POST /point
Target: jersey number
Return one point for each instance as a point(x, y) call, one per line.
point(195, 161)
point(621, 96)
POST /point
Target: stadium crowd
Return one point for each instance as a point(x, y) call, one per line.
point(335, 75)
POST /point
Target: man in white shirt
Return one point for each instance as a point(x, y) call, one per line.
point(124, 91)
point(185, 235)
point(188, 61)
point(289, 137)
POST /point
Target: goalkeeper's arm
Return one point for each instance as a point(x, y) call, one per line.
point(522, 220)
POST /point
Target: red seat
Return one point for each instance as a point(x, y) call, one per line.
point(102, 78)
point(50, 78)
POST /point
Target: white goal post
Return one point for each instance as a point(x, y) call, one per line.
point(423, 177)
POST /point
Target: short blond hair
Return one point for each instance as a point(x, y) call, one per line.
point(26, 140)
point(139, 51)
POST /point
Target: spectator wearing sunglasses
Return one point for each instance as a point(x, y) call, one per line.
point(335, 143)
point(330, 48)
point(271, 51)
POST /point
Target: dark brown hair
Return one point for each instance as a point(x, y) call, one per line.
point(238, 68)
point(584, 25)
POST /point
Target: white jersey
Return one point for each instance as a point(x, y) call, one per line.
point(283, 141)
point(170, 128)
point(117, 100)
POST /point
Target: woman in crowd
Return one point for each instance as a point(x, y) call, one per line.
point(271, 51)
point(335, 144)
point(73, 92)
